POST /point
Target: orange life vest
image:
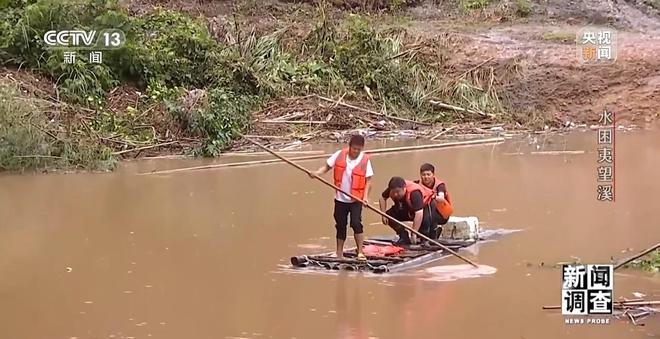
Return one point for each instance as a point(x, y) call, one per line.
point(427, 193)
point(437, 183)
point(358, 176)
point(444, 207)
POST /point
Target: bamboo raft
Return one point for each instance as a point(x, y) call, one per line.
point(411, 256)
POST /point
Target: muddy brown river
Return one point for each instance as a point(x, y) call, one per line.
point(202, 254)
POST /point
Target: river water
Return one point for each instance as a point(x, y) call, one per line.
point(201, 254)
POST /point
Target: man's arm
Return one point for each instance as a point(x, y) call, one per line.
point(369, 174)
point(417, 202)
point(440, 192)
point(326, 167)
point(417, 223)
point(417, 220)
point(382, 203)
point(322, 170)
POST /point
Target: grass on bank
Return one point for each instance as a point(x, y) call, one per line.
point(649, 263)
point(168, 55)
point(30, 139)
point(563, 37)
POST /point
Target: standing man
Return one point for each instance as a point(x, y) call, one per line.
point(352, 173)
point(441, 200)
point(412, 202)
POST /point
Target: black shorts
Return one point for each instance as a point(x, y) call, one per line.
point(341, 213)
point(430, 220)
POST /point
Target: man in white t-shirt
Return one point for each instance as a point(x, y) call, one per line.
point(352, 173)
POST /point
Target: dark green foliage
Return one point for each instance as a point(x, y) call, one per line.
point(650, 262)
point(173, 48)
point(363, 60)
point(167, 55)
point(652, 3)
point(78, 82)
point(524, 7)
point(228, 113)
point(473, 4)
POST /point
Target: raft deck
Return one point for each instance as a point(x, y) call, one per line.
point(411, 256)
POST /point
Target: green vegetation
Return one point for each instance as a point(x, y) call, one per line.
point(524, 7)
point(650, 262)
point(559, 37)
point(473, 4)
point(653, 3)
point(29, 139)
point(206, 89)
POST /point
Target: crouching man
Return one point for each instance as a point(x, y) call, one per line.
point(412, 202)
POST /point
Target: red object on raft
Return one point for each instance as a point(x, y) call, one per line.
point(381, 251)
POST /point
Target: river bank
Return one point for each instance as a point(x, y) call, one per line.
point(314, 74)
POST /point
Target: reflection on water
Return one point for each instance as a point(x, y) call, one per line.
point(201, 261)
point(456, 272)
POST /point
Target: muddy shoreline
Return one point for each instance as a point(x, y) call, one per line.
point(529, 60)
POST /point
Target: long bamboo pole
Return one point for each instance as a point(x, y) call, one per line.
point(641, 254)
point(362, 202)
point(616, 304)
point(313, 157)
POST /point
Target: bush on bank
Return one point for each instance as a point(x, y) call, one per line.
point(29, 139)
point(168, 53)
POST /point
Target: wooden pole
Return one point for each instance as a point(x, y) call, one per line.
point(641, 254)
point(616, 304)
point(145, 147)
point(372, 112)
point(362, 202)
point(250, 154)
point(456, 108)
point(313, 157)
point(556, 152)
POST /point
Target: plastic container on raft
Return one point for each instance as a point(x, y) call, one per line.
point(463, 228)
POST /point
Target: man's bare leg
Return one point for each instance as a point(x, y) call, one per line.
point(340, 249)
point(359, 242)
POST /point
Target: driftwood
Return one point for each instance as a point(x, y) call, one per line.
point(557, 152)
point(461, 109)
point(312, 157)
point(302, 122)
point(443, 132)
point(634, 310)
point(38, 156)
point(145, 147)
point(268, 136)
point(372, 112)
point(266, 153)
point(617, 304)
point(289, 116)
point(641, 254)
